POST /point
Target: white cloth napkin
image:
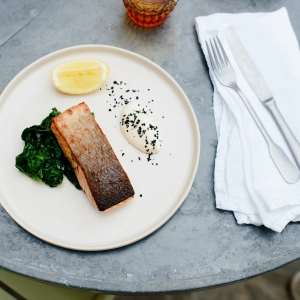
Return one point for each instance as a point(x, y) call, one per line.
point(246, 180)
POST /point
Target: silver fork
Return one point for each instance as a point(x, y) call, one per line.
point(227, 77)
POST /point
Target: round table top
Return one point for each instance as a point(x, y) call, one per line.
point(199, 246)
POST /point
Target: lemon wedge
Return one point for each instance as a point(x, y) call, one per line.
point(80, 76)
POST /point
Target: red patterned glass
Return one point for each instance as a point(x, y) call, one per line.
point(149, 13)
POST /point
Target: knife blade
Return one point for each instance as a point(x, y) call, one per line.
point(261, 89)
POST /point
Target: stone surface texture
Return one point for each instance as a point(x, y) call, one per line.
point(200, 246)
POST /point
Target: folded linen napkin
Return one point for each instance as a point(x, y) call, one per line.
point(246, 180)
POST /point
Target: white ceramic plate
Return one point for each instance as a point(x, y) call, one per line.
point(63, 216)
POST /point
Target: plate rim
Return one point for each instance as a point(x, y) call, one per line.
point(196, 146)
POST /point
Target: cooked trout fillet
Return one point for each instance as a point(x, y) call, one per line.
point(96, 166)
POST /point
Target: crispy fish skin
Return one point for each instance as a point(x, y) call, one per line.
point(96, 166)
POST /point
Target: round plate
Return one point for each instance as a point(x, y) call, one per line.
point(63, 216)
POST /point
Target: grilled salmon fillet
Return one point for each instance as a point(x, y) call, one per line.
point(96, 166)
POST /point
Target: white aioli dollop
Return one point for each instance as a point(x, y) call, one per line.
point(139, 129)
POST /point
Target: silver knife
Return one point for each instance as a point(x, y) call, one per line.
point(261, 90)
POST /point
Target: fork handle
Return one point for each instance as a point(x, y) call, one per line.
point(289, 172)
point(285, 130)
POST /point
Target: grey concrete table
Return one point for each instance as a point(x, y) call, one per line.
point(199, 246)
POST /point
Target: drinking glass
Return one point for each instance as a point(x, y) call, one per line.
point(149, 13)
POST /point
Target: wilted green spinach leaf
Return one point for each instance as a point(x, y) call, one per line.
point(42, 158)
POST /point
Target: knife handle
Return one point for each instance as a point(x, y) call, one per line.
point(286, 168)
point(285, 130)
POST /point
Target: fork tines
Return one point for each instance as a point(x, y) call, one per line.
point(216, 54)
